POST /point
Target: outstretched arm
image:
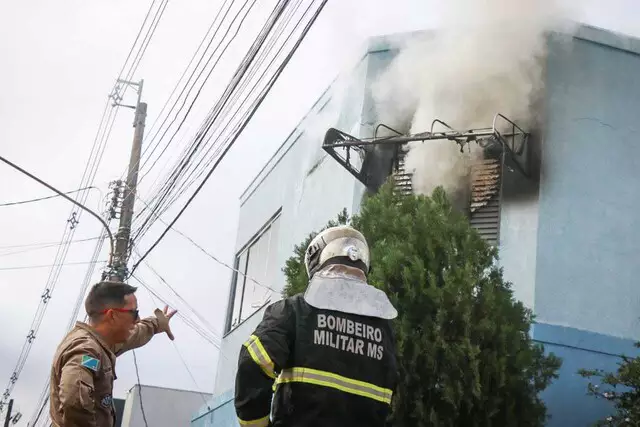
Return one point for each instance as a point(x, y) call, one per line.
point(146, 328)
point(261, 359)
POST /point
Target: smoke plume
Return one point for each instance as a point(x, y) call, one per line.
point(484, 58)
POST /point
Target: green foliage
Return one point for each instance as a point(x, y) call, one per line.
point(621, 388)
point(466, 357)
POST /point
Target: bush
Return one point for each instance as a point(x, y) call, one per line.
point(621, 388)
point(465, 354)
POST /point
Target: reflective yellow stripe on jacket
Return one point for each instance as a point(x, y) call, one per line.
point(262, 422)
point(328, 379)
point(260, 356)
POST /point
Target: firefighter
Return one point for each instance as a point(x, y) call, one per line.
point(328, 354)
point(83, 369)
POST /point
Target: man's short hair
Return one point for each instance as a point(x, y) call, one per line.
point(104, 295)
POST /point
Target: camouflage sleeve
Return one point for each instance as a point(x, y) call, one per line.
point(80, 364)
point(145, 330)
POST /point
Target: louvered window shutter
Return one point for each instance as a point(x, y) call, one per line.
point(486, 185)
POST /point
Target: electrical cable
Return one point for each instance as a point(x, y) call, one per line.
point(184, 362)
point(252, 70)
point(30, 267)
point(38, 246)
point(222, 101)
point(135, 362)
point(241, 128)
point(187, 183)
point(188, 80)
point(186, 319)
point(95, 157)
point(166, 187)
point(198, 315)
point(207, 253)
point(23, 202)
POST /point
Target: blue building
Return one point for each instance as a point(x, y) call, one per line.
point(569, 238)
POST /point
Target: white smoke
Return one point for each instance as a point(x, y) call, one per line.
point(484, 58)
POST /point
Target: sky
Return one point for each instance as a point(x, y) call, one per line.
point(59, 60)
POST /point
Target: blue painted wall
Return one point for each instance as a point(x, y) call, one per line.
point(588, 227)
point(566, 399)
point(219, 412)
point(589, 222)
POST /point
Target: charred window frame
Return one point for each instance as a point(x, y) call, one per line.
point(256, 260)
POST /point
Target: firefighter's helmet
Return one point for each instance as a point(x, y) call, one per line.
point(342, 242)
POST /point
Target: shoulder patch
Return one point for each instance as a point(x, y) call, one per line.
point(90, 362)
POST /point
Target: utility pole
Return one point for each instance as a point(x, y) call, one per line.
point(123, 237)
point(8, 418)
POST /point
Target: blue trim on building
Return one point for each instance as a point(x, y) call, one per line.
point(219, 411)
point(584, 340)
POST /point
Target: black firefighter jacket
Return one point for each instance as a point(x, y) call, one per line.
point(327, 368)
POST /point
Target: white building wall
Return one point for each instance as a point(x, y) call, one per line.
point(309, 188)
point(163, 407)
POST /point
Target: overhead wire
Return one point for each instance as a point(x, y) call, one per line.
point(209, 254)
point(169, 183)
point(184, 362)
point(186, 84)
point(190, 180)
point(240, 128)
point(192, 324)
point(177, 294)
point(44, 396)
point(166, 186)
point(195, 177)
point(39, 199)
point(95, 157)
point(31, 267)
point(39, 246)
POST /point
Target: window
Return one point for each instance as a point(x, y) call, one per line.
point(486, 188)
point(486, 177)
point(256, 266)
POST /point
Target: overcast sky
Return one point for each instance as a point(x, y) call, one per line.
point(58, 63)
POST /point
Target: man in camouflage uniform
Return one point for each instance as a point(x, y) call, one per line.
point(83, 368)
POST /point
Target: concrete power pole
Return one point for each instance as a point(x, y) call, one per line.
point(8, 418)
point(123, 237)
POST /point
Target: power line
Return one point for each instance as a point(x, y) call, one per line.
point(240, 129)
point(30, 267)
point(184, 363)
point(46, 244)
point(168, 184)
point(23, 202)
point(252, 70)
point(198, 315)
point(207, 253)
point(222, 101)
point(187, 320)
point(135, 362)
point(95, 157)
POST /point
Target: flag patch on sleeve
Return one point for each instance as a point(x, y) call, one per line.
point(90, 362)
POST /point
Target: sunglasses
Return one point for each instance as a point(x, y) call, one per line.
point(134, 313)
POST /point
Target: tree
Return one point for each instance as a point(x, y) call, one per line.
point(465, 354)
point(625, 401)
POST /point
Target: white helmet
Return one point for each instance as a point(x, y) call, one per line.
point(341, 241)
